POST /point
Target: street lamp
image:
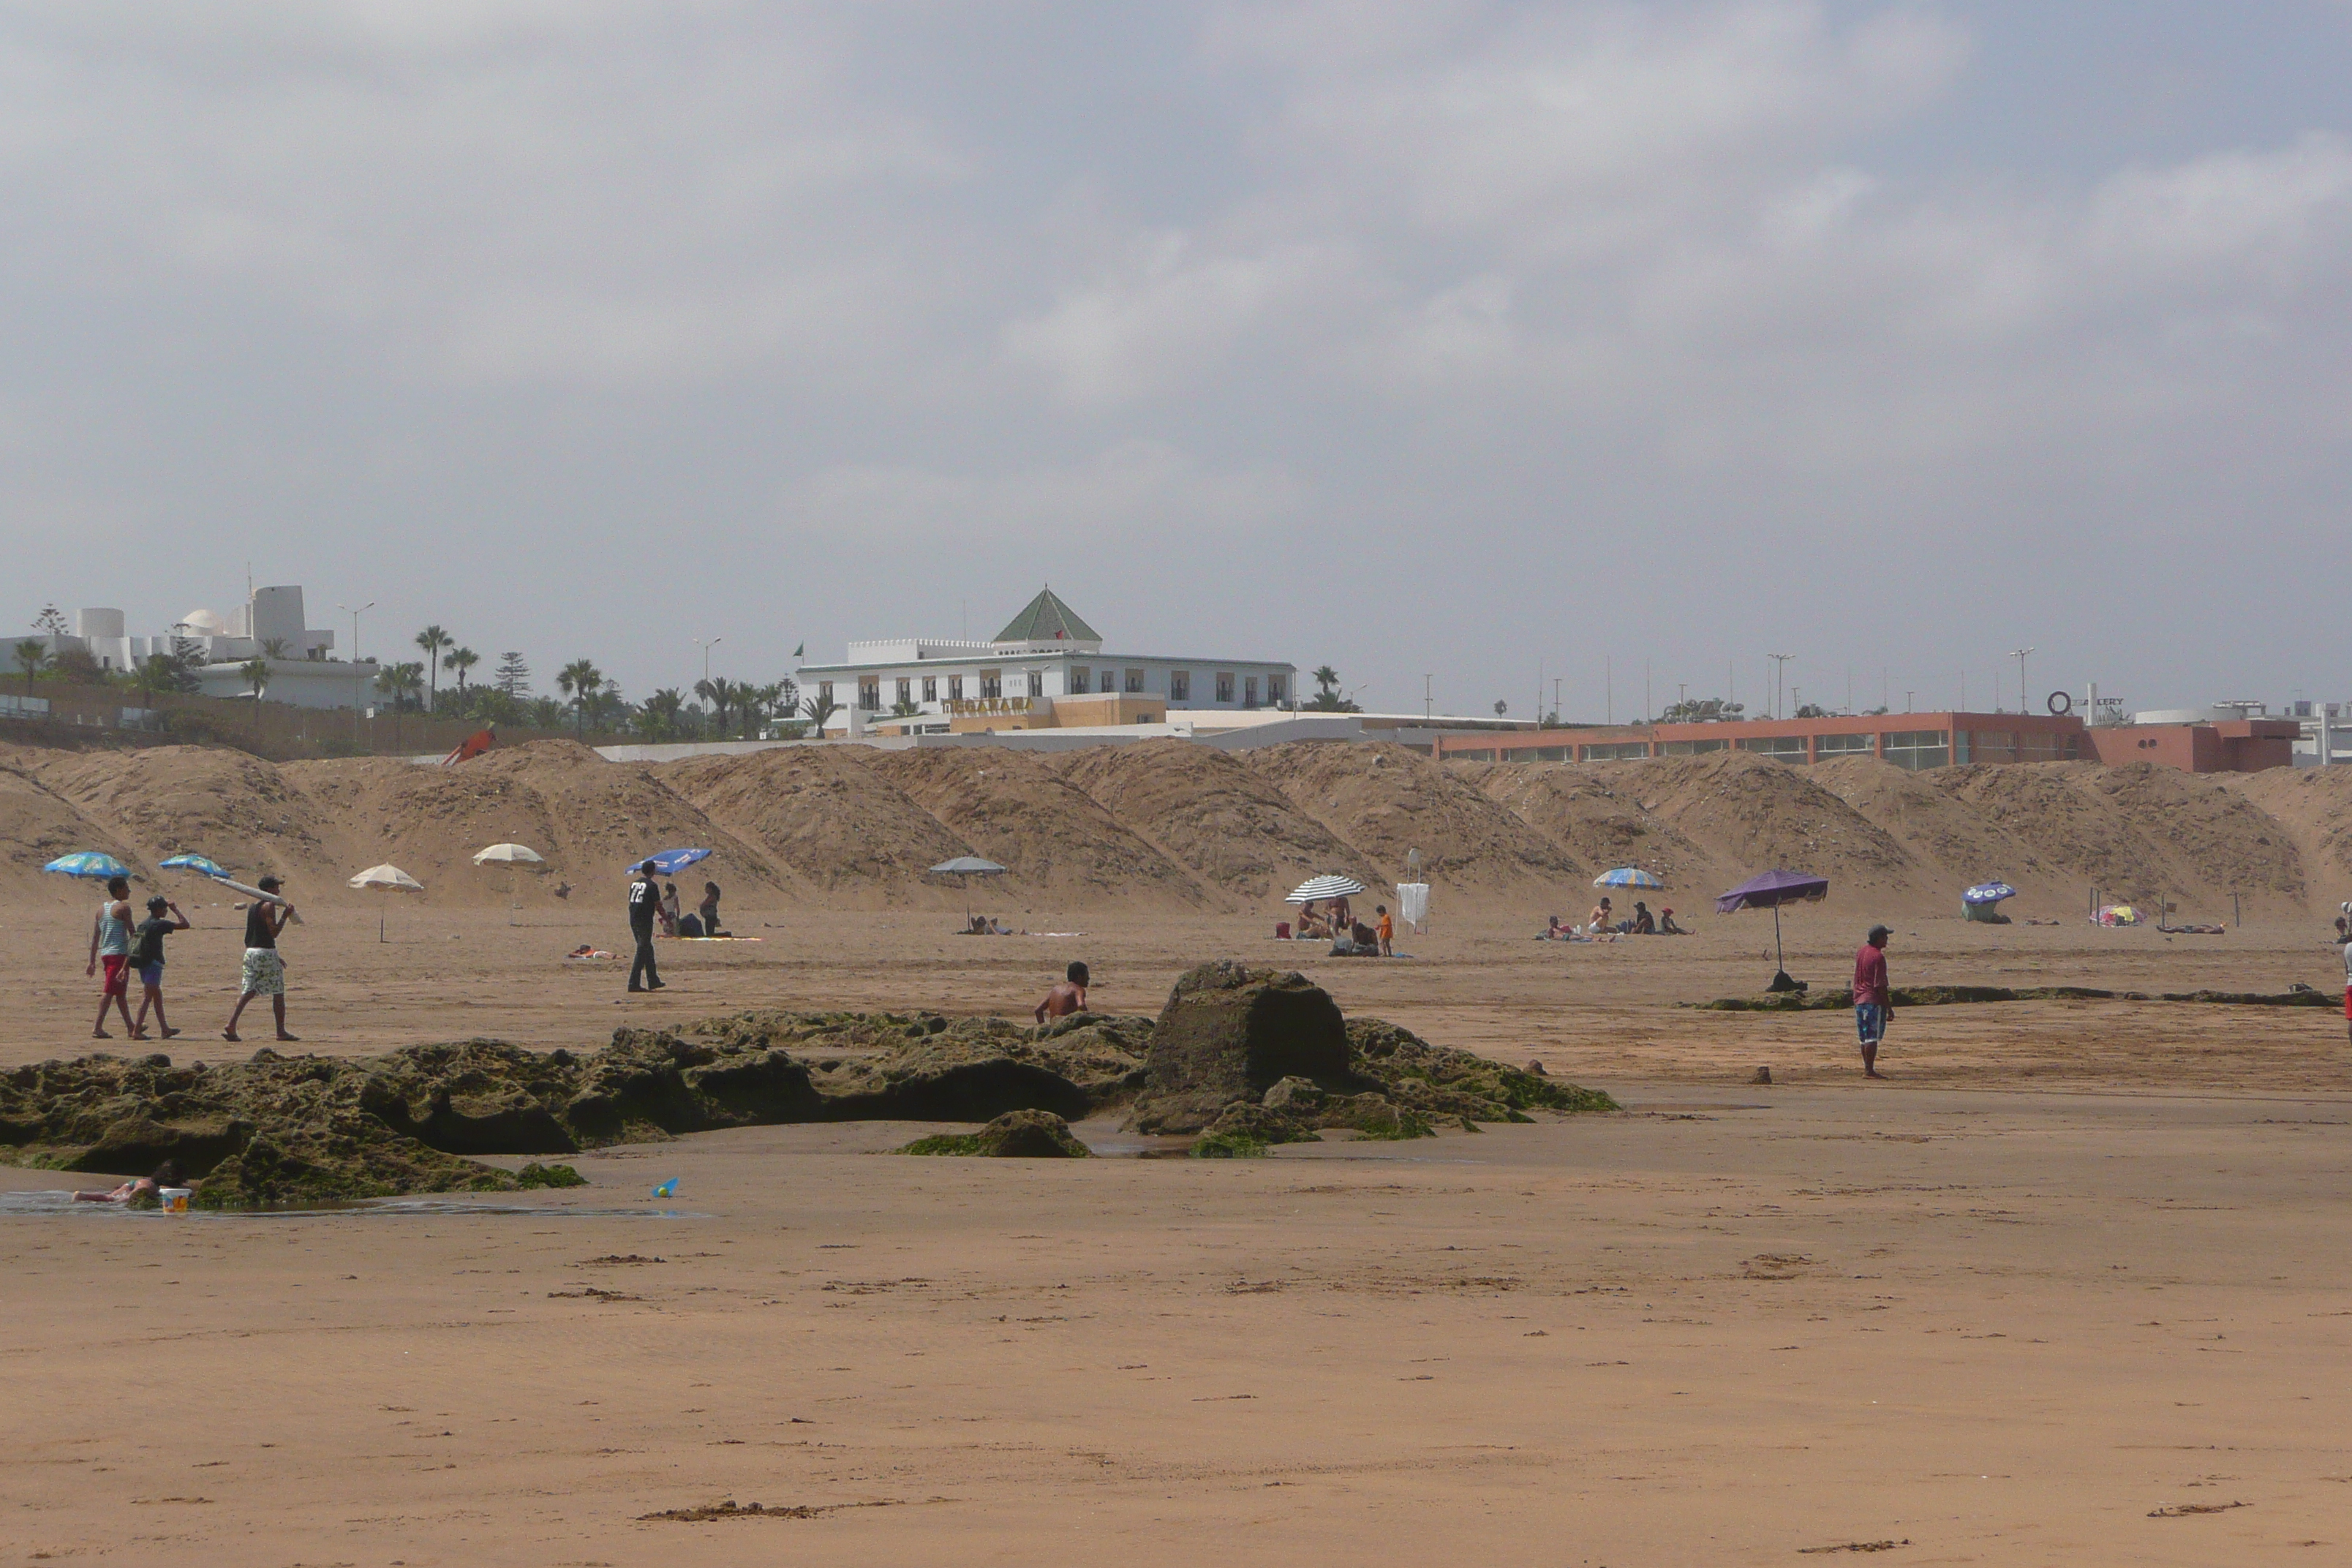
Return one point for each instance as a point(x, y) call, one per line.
point(705, 647)
point(357, 703)
point(2019, 655)
point(1780, 660)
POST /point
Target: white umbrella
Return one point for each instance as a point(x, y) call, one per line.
point(1315, 890)
point(386, 878)
point(506, 855)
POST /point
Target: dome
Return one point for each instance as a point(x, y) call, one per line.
point(202, 623)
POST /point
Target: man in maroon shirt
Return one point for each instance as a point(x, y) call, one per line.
point(1872, 999)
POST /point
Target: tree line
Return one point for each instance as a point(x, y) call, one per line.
point(584, 698)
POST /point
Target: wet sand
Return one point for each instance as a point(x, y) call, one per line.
point(2077, 1264)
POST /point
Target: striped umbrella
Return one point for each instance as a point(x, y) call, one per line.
point(1315, 890)
point(197, 863)
point(1627, 877)
point(89, 864)
point(1987, 893)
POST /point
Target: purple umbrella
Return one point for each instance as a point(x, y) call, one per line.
point(1770, 891)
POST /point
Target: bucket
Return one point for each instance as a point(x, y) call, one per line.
point(174, 1199)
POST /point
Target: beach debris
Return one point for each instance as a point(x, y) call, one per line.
point(1854, 1546)
point(1016, 1135)
point(1763, 1075)
point(2183, 1510)
point(665, 1190)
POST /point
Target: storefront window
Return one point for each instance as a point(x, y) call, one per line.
point(1918, 749)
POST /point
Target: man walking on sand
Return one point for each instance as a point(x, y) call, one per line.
point(109, 939)
point(1872, 1000)
point(645, 903)
point(265, 971)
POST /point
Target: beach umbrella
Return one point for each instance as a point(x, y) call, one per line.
point(1315, 890)
point(1987, 893)
point(197, 863)
point(670, 862)
point(2117, 915)
point(966, 866)
point(386, 878)
point(88, 864)
point(1628, 877)
point(1770, 891)
point(509, 855)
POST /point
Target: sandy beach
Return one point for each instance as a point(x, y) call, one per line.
point(2071, 1276)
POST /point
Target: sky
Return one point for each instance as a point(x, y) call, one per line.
point(1468, 348)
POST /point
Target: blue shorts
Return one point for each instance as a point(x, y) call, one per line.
point(151, 974)
point(1870, 1022)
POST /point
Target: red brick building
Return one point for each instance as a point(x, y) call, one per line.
point(1907, 740)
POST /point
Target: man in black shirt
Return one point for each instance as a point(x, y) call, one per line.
point(645, 901)
point(147, 958)
point(264, 970)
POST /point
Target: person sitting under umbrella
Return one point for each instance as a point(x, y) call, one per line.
point(1311, 922)
point(1644, 923)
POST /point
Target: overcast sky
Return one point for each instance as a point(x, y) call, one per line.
point(1435, 337)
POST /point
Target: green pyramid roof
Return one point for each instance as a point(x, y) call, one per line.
point(1047, 619)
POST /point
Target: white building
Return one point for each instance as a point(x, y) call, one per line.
point(268, 625)
point(1045, 669)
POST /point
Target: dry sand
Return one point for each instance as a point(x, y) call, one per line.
point(2076, 1264)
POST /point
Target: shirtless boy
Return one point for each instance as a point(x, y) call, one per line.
point(1068, 997)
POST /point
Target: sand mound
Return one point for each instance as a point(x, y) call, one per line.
point(1207, 811)
point(1755, 815)
point(1384, 800)
point(1595, 812)
point(1954, 845)
point(1059, 844)
point(2137, 831)
point(38, 824)
point(2312, 807)
point(589, 817)
point(167, 800)
point(829, 817)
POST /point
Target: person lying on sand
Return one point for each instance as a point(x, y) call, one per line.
point(1068, 997)
point(167, 1174)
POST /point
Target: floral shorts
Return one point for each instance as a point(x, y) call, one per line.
point(265, 973)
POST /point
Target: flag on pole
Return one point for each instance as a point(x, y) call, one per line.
point(800, 651)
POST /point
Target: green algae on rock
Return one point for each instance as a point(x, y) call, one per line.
point(1016, 1135)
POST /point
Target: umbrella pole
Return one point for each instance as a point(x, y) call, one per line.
point(1779, 955)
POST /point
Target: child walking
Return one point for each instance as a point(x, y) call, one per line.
point(147, 957)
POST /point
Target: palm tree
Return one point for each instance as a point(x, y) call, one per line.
point(255, 672)
point(273, 648)
point(461, 659)
point(32, 654)
point(721, 694)
point(579, 680)
point(433, 639)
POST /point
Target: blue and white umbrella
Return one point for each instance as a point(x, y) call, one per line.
point(89, 864)
point(670, 862)
point(197, 863)
point(1315, 890)
point(1628, 877)
point(1987, 893)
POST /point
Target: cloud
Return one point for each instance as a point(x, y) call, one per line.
point(1131, 492)
point(1458, 305)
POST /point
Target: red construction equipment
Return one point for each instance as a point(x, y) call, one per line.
point(473, 746)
